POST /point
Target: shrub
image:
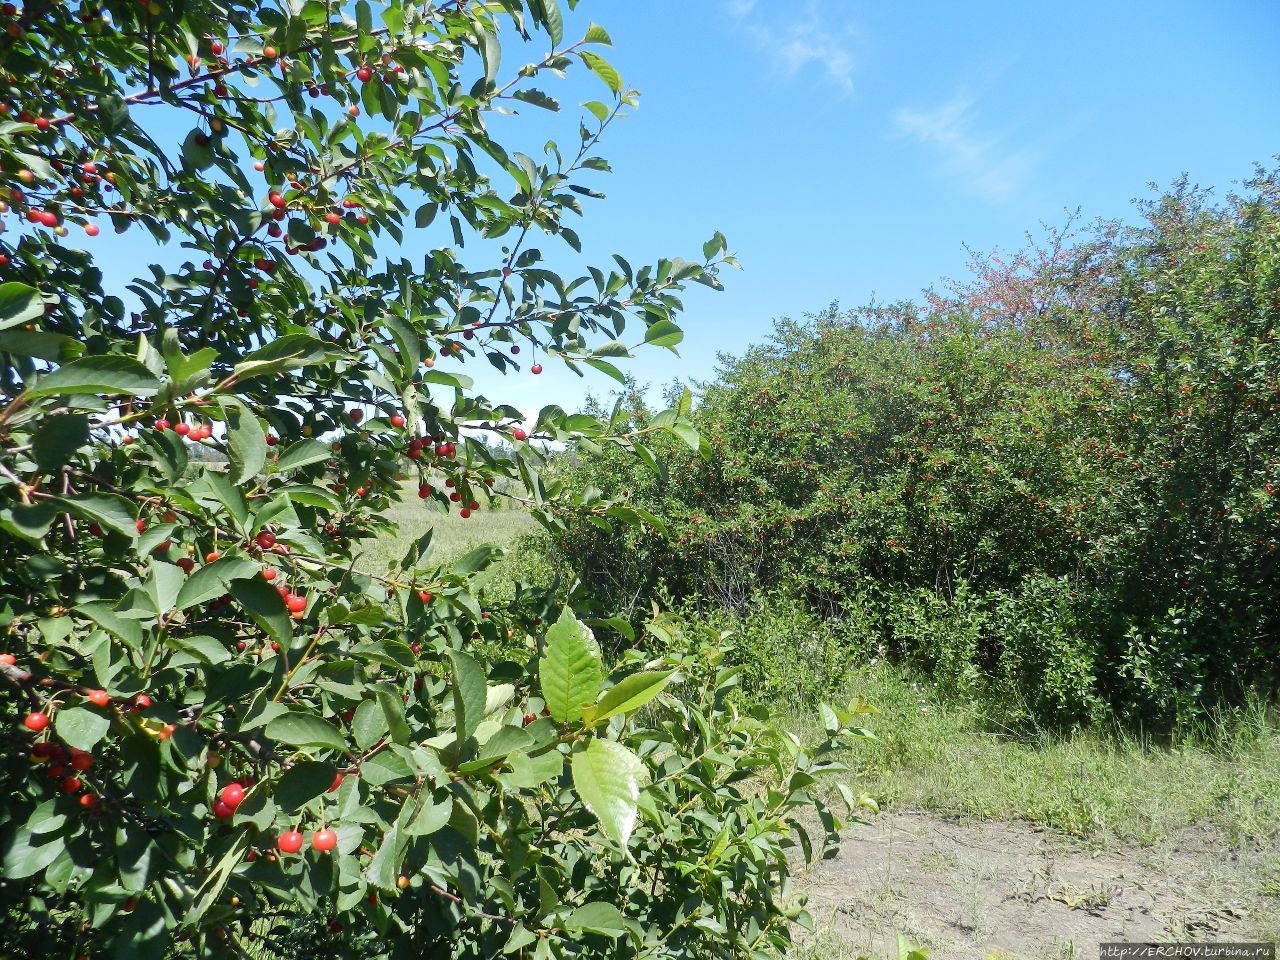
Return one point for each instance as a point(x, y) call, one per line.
point(1056, 482)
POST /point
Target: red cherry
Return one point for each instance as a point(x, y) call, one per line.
point(89, 801)
point(186, 563)
point(355, 415)
point(276, 199)
point(282, 590)
point(529, 718)
point(268, 574)
point(216, 48)
point(8, 659)
point(519, 434)
point(266, 539)
point(142, 701)
point(232, 795)
point(272, 440)
point(36, 721)
point(337, 782)
point(140, 525)
point(290, 841)
point(80, 760)
point(464, 513)
point(324, 840)
point(397, 421)
point(270, 52)
point(295, 603)
point(71, 784)
point(182, 429)
point(211, 556)
point(92, 229)
point(424, 491)
point(424, 596)
point(365, 74)
point(98, 698)
point(162, 424)
point(222, 811)
point(536, 369)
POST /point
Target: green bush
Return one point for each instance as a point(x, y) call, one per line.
point(1057, 482)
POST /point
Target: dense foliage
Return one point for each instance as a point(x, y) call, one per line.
point(1057, 482)
point(222, 732)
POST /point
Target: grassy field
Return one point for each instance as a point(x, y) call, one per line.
point(453, 536)
point(1109, 786)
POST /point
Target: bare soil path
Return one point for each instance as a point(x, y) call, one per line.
point(983, 890)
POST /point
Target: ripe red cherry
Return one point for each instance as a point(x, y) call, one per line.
point(141, 525)
point(337, 782)
point(464, 513)
point(89, 801)
point(365, 74)
point(397, 421)
point(268, 574)
point(276, 199)
point(98, 698)
point(92, 229)
point(222, 811)
point(142, 701)
point(211, 556)
point(272, 440)
point(162, 424)
point(536, 369)
point(8, 659)
point(80, 760)
point(355, 415)
point(424, 491)
point(36, 721)
point(71, 784)
point(296, 604)
point(232, 795)
point(266, 539)
point(529, 718)
point(519, 434)
point(182, 429)
point(270, 52)
point(324, 840)
point(290, 841)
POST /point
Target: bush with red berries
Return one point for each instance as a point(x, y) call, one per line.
point(223, 733)
point(1055, 486)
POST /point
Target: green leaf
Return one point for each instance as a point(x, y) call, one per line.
point(302, 783)
point(602, 69)
point(664, 333)
point(81, 726)
point(302, 454)
point(214, 579)
point(430, 816)
point(57, 438)
point(554, 20)
point(538, 99)
point(262, 602)
point(290, 352)
point(305, 730)
point(528, 773)
point(598, 34)
point(598, 917)
point(28, 521)
point(19, 304)
point(570, 670)
point(369, 725)
point(110, 375)
point(393, 710)
point(246, 443)
point(607, 777)
point(109, 511)
point(470, 692)
point(631, 693)
point(475, 560)
point(217, 878)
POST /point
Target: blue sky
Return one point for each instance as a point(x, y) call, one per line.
point(851, 149)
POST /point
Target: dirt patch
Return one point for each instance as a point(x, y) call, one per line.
point(980, 890)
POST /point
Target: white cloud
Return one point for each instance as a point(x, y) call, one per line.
point(983, 163)
point(795, 37)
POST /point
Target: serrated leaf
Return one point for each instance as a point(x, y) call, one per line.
point(213, 580)
point(631, 693)
point(113, 375)
point(664, 333)
point(305, 730)
point(603, 69)
point(19, 304)
point(109, 511)
point(470, 693)
point(570, 670)
point(607, 777)
point(81, 726)
point(246, 443)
